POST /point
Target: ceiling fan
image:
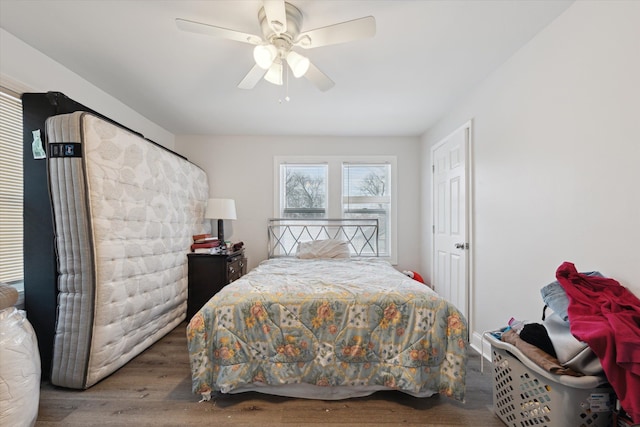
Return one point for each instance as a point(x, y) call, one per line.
point(280, 23)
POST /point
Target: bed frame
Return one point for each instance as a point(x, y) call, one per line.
point(284, 234)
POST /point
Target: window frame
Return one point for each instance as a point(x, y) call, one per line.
point(335, 188)
point(354, 206)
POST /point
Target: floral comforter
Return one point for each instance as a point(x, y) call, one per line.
point(328, 323)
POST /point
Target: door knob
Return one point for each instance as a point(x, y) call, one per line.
point(461, 246)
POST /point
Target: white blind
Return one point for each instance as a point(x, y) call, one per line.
point(11, 259)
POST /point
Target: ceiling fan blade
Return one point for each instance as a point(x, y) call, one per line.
point(212, 30)
point(252, 78)
point(318, 78)
point(338, 33)
point(276, 15)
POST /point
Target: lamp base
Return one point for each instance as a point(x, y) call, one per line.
point(221, 234)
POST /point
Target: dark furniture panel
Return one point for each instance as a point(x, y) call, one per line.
point(208, 273)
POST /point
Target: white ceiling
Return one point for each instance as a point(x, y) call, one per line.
point(424, 57)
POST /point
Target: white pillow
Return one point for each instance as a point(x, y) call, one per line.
point(323, 249)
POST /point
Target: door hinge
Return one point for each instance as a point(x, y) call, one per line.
point(433, 168)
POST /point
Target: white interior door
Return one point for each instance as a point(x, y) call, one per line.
point(450, 219)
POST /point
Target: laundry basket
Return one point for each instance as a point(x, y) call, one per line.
point(526, 395)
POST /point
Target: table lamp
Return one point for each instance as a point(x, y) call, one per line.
point(221, 209)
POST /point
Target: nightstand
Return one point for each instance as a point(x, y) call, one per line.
point(208, 273)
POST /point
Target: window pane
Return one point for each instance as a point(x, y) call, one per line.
point(11, 265)
point(304, 191)
point(365, 180)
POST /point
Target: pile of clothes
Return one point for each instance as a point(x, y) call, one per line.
point(539, 341)
point(594, 329)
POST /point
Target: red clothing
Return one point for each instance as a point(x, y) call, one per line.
point(606, 316)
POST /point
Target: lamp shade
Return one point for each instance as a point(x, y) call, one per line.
point(274, 74)
point(264, 55)
point(298, 64)
point(221, 209)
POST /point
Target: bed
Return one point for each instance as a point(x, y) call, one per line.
point(322, 321)
point(125, 211)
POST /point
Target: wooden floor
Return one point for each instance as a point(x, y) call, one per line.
point(154, 389)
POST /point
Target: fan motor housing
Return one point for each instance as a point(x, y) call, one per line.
point(294, 23)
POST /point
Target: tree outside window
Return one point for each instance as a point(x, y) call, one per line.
point(305, 191)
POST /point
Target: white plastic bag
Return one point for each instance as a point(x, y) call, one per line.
point(19, 370)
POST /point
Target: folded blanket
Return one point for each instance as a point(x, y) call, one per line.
point(537, 356)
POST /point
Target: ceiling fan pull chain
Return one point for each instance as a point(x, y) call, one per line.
point(286, 98)
point(286, 86)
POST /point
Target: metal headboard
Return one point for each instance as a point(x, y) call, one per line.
point(284, 234)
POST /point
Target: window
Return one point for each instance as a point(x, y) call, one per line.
point(11, 258)
point(304, 191)
point(339, 187)
point(366, 194)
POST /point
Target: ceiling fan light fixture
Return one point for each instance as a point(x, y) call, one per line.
point(299, 64)
point(274, 74)
point(280, 24)
point(264, 55)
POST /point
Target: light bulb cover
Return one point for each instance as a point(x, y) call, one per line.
point(299, 64)
point(274, 74)
point(264, 55)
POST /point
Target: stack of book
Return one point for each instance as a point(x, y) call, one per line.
point(204, 243)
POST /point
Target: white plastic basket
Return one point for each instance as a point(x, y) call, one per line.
point(526, 395)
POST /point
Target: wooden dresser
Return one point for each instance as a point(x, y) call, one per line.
point(208, 273)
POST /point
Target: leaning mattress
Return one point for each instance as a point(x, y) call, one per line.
point(125, 210)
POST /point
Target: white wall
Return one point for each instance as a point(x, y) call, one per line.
point(557, 161)
point(241, 168)
point(25, 68)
